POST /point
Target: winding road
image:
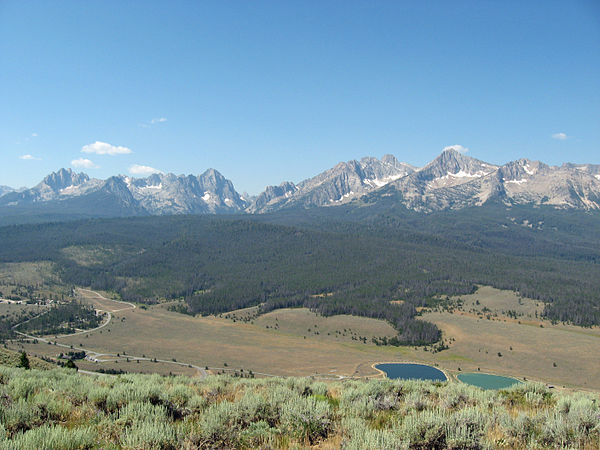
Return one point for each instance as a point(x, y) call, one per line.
point(95, 356)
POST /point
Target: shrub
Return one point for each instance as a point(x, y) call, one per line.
point(138, 411)
point(424, 430)
point(215, 429)
point(18, 416)
point(150, 435)
point(53, 437)
point(307, 419)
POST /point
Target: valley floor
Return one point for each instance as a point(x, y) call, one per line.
point(297, 342)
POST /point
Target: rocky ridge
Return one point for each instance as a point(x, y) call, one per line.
point(451, 181)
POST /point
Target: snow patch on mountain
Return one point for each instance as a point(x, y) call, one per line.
point(377, 182)
point(521, 181)
point(451, 181)
point(158, 187)
point(340, 184)
point(462, 174)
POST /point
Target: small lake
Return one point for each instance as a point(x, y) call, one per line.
point(404, 371)
point(486, 381)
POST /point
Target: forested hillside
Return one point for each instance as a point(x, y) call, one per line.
point(362, 259)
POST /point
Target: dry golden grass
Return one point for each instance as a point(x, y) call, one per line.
point(302, 322)
point(288, 348)
point(139, 367)
point(10, 310)
point(212, 341)
point(528, 349)
point(11, 358)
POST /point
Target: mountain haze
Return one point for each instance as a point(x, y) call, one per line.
point(5, 190)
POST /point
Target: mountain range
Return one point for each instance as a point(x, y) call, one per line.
point(451, 181)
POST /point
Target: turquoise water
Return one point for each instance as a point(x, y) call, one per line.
point(411, 371)
point(486, 381)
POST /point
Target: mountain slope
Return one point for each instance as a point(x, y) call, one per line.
point(456, 181)
point(340, 184)
point(209, 193)
point(67, 191)
point(451, 181)
point(58, 185)
point(5, 190)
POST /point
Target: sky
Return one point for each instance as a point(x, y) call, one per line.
point(267, 91)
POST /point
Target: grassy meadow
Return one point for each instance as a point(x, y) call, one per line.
point(280, 343)
point(31, 280)
point(560, 354)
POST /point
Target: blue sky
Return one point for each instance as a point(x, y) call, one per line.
point(272, 91)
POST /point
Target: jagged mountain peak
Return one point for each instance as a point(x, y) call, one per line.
point(451, 168)
point(271, 195)
point(158, 193)
point(521, 169)
point(340, 184)
point(452, 180)
point(209, 192)
point(213, 174)
point(5, 190)
point(391, 160)
point(116, 182)
point(63, 178)
point(455, 181)
point(451, 161)
point(593, 169)
point(156, 178)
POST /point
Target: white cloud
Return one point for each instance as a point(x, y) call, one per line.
point(103, 148)
point(83, 163)
point(456, 147)
point(153, 122)
point(34, 134)
point(560, 136)
point(29, 157)
point(137, 169)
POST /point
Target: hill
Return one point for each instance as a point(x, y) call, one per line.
point(11, 358)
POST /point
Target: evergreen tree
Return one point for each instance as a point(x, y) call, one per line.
point(24, 361)
point(71, 365)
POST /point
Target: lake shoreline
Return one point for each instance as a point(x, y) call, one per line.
point(383, 374)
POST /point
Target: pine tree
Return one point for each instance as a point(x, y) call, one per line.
point(24, 361)
point(71, 365)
